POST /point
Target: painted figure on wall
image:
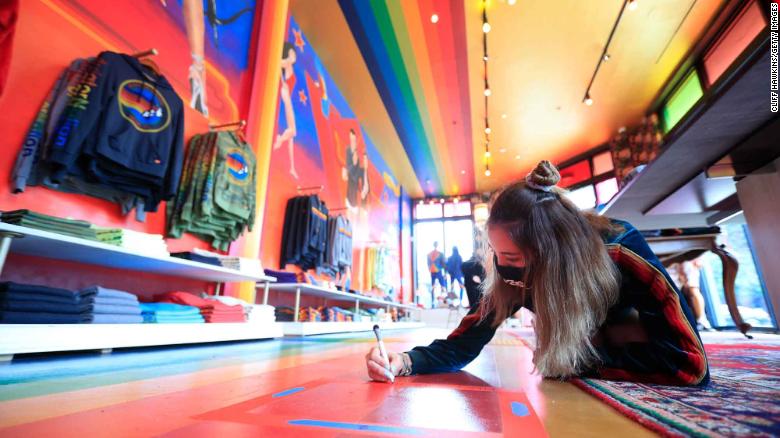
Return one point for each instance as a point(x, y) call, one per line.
point(285, 93)
point(355, 173)
point(195, 27)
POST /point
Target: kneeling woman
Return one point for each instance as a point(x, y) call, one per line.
point(604, 305)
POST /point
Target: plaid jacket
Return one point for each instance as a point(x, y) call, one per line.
point(674, 354)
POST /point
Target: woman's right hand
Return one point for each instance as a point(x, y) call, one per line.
point(378, 367)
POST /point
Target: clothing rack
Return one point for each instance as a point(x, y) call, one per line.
point(145, 53)
point(239, 125)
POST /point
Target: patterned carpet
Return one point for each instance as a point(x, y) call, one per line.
point(743, 398)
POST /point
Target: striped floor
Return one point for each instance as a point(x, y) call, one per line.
point(314, 386)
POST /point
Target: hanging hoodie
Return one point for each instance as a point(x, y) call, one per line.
point(126, 123)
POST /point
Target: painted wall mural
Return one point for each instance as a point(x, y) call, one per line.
point(320, 142)
point(205, 51)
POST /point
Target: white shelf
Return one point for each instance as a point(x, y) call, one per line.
point(320, 328)
point(37, 338)
point(60, 247)
point(310, 290)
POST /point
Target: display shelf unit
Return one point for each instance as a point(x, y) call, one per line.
point(33, 242)
point(321, 328)
point(37, 338)
point(297, 328)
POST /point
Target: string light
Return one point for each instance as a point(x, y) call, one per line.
point(605, 56)
point(487, 91)
point(434, 18)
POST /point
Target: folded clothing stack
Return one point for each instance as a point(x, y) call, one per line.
point(211, 310)
point(230, 301)
point(283, 276)
point(34, 304)
point(39, 221)
point(113, 306)
point(336, 314)
point(136, 241)
point(309, 314)
point(168, 313)
point(242, 264)
point(284, 314)
point(189, 255)
point(262, 314)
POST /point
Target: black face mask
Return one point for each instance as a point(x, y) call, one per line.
point(511, 275)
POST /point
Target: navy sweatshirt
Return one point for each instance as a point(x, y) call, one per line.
point(127, 123)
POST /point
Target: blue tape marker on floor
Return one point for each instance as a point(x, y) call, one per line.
point(288, 392)
point(357, 426)
point(520, 409)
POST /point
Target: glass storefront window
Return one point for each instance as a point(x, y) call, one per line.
point(750, 291)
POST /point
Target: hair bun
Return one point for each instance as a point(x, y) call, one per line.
point(544, 177)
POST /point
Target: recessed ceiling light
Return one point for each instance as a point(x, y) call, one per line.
point(434, 18)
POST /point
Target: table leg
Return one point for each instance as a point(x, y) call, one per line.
point(730, 268)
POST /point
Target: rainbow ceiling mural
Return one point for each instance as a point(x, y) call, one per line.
point(420, 69)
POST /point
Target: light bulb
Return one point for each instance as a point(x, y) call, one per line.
point(487, 154)
point(632, 5)
point(485, 58)
point(502, 150)
point(462, 172)
point(511, 2)
point(441, 201)
point(434, 18)
point(503, 116)
point(588, 101)
point(488, 130)
point(517, 157)
point(487, 172)
point(606, 57)
point(486, 27)
point(488, 92)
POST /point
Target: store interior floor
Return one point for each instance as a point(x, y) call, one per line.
point(313, 386)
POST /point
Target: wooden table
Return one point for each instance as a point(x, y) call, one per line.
point(677, 249)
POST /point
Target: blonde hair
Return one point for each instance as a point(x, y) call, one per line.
point(571, 279)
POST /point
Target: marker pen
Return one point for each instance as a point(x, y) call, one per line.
point(383, 352)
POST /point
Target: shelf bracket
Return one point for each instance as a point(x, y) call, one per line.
point(5, 244)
